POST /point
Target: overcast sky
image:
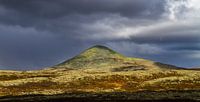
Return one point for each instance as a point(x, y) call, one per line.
point(41, 33)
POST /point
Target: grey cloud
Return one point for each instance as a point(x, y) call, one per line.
point(45, 13)
point(191, 47)
point(51, 8)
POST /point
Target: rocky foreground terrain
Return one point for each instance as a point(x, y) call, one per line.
point(100, 73)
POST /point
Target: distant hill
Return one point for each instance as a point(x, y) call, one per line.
point(103, 57)
point(95, 57)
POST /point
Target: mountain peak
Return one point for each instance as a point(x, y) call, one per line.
point(100, 47)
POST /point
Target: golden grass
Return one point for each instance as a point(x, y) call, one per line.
point(80, 80)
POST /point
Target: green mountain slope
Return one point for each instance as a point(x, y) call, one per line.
point(97, 57)
point(102, 57)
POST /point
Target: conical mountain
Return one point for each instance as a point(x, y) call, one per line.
point(101, 57)
point(96, 56)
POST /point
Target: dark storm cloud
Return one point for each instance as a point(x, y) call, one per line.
point(58, 8)
point(50, 14)
point(39, 33)
point(166, 40)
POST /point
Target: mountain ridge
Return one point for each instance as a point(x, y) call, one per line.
point(97, 53)
point(100, 56)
